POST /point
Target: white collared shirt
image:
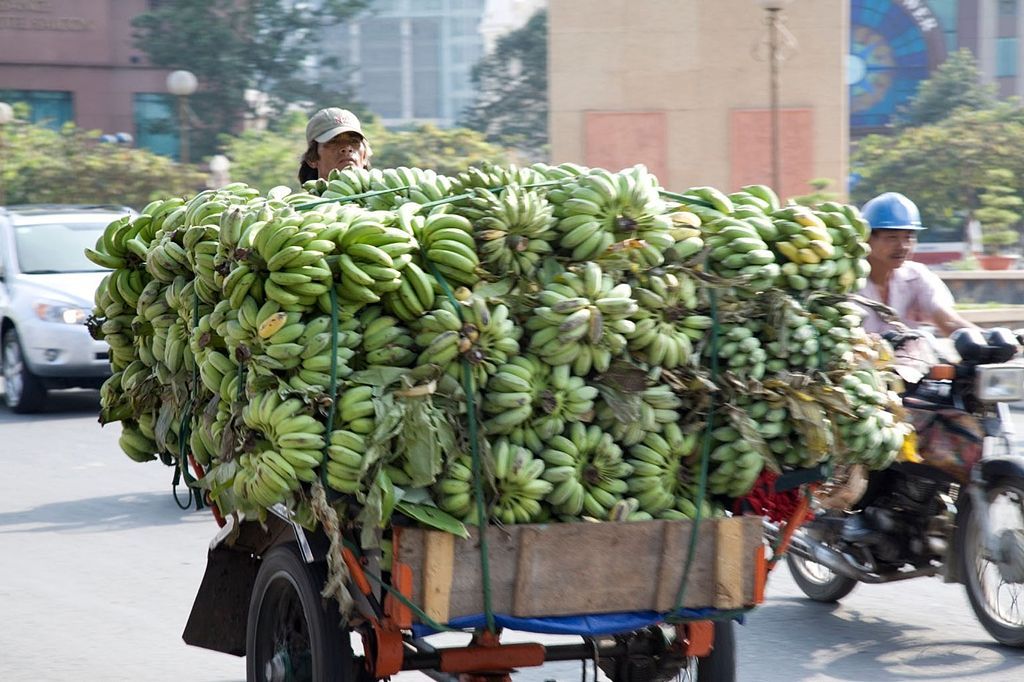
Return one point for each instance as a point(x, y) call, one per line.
point(915, 293)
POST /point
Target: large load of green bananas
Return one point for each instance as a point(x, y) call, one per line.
point(591, 344)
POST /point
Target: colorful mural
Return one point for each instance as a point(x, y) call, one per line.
point(894, 44)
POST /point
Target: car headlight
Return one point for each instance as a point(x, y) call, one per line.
point(60, 312)
point(999, 383)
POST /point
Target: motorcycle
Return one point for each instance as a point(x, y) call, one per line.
point(956, 510)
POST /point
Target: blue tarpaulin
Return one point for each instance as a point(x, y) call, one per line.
point(592, 625)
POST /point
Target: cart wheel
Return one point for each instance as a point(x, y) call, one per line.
point(293, 633)
point(720, 664)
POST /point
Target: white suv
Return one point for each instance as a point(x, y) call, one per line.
point(47, 286)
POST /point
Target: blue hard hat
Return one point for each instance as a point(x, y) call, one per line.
point(892, 211)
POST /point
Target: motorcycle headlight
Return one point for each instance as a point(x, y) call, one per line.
point(58, 312)
point(999, 383)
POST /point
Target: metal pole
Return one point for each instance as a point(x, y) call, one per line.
point(1, 164)
point(773, 60)
point(183, 119)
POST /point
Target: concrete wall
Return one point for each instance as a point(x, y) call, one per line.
point(674, 84)
point(80, 47)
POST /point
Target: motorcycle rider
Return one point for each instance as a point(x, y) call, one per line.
point(334, 140)
point(915, 292)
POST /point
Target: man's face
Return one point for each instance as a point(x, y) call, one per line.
point(891, 248)
point(342, 151)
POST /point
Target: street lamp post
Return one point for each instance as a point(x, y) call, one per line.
point(6, 116)
point(773, 8)
point(182, 84)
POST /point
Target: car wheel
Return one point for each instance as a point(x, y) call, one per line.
point(23, 392)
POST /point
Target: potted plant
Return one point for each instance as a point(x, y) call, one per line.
point(999, 215)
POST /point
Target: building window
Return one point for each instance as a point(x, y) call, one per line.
point(1007, 7)
point(49, 108)
point(1006, 57)
point(155, 126)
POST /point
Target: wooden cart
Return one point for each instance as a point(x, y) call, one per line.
point(261, 598)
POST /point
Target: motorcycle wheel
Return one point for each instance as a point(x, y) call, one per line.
point(995, 585)
point(817, 582)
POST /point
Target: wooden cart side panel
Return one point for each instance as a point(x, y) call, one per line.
point(570, 569)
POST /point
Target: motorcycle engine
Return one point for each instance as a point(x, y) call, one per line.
point(911, 521)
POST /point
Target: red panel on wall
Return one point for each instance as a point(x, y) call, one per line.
point(616, 140)
point(750, 149)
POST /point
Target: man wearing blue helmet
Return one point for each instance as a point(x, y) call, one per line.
point(911, 289)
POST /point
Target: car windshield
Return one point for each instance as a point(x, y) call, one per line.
point(56, 247)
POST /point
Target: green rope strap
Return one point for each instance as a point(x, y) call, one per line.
point(350, 198)
point(185, 426)
point(705, 458)
point(334, 383)
point(474, 449)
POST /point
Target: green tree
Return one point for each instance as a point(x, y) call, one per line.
point(956, 84)
point(820, 193)
point(268, 158)
point(446, 151)
point(944, 167)
point(1000, 211)
point(70, 166)
point(511, 108)
point(232, 46)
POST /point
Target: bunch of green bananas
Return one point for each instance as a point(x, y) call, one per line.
point(665, 473)
point(688, 238)
point(739, 350)
point(663, 336)
point(841, 333)
point(136, 444)
point(532, 401)
point(227, 299)
point(513, 229)
point(344, 183)
point(385, 340)
point(735, 463)
point(489, 176)
point(448, 245)
point(424, 186)
point(344, 464)
point(654, 407)
point(287, 441)
point(372, 253)
point(822, 249)
point(600, 208)
point(872, 436)
point(587, 470)
point(737, 249)
point(795, 341)
point(485, 336)
point(516, 493)
point(355, 409)
point(583, 319)
point(414, 297)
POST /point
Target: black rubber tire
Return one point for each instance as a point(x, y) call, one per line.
point(720, 665)
point(286, 609)
point(828, 592)
point(30, 396)
point(968, 544)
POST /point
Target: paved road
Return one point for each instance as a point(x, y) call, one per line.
point(98, 569)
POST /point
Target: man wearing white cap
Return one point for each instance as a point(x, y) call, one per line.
point(334, 140)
